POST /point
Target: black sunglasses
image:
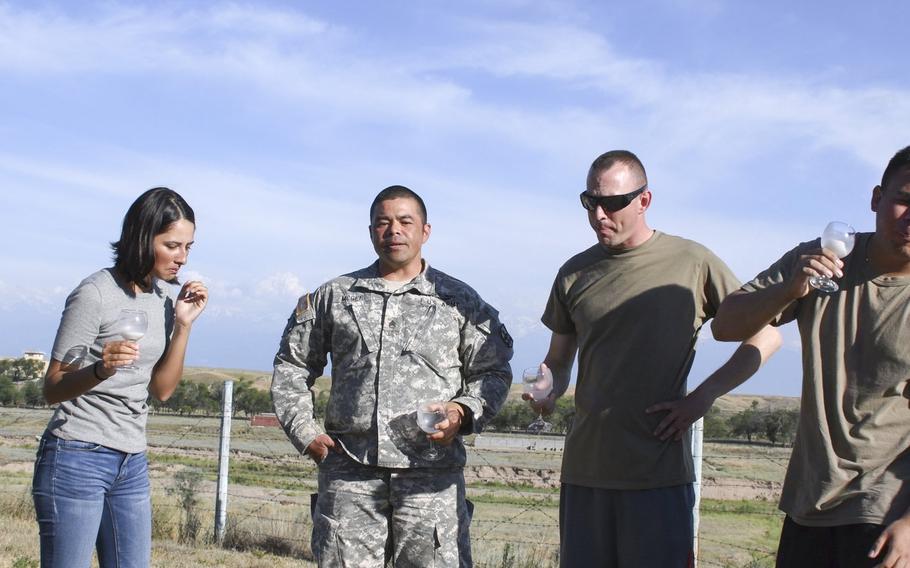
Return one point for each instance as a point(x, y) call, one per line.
point(611, 203)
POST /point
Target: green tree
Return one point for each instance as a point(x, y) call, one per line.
point(747, 423)
point(5, 368)
point(780, 425)
point(32, 395)
point(204, 398)
point(21, 369)
point(715, 425)
point(250, 400)
point(514, 415)
point(9, 394)
point(182, 400)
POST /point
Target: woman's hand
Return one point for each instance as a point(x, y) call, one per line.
point(191, 301)
point(117, 354)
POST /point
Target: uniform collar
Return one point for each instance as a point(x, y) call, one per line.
point(369, 279)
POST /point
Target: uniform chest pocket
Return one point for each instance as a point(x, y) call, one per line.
point(353, 324)
point(418, 326)
point(434, 337)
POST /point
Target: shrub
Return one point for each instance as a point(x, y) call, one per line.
point(186, 490)
point(18, 505)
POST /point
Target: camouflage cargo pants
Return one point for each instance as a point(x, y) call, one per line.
point(365, 515)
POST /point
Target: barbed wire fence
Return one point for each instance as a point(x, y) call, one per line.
point(515, 491)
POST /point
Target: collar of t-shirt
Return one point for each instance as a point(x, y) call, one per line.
point(394, 285)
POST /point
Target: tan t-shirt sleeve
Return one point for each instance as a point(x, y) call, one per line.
point(779, 272)
point(556, 316)
point(719, 282)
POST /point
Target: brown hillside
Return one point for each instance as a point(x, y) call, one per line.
point(729, 404)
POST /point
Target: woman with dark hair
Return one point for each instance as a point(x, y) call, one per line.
point(91, 483)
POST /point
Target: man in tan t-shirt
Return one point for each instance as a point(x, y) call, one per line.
point(631, 306)
point(846, 493)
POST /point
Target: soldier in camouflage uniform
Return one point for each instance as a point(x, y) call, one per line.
point(399, 333)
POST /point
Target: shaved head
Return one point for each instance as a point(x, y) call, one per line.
point(609, 159)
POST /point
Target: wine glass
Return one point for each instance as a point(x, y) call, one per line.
point(429, 414)
point(73, 358)
point(538, 384)
point(838, 238)
point(132, 325)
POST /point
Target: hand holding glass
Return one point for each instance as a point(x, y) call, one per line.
point(132, 325)
point(429, 414)
point(838, 238)
point(538, 384)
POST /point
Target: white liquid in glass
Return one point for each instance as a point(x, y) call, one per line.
point(840, 245)
point(132, 334)
point(132, 325)
point(838, 238)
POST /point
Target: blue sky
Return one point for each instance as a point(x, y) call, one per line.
point(279, 121)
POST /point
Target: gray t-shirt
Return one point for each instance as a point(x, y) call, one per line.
point(113, 413)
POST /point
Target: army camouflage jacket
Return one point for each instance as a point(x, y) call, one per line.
point(432, 339)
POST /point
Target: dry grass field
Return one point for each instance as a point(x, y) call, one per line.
point(731, 404)
point(515, 492)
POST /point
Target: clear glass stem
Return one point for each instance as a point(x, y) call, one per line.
point(432, 453)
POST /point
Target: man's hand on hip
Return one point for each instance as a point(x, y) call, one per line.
point(319, 448)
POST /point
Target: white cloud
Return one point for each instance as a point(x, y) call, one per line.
point(287, 54)
point(721, 115)
point(522, 326)
point(283, 284)
point(42, 298)
point(130, 38)
point(234, 18)
point(59, 173)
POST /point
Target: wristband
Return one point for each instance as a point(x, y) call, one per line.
point(97, 374)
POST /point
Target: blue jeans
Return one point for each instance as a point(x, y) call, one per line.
point(89, 496)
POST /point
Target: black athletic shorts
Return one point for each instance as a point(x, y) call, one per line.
point(613, 528)
point(844, 546)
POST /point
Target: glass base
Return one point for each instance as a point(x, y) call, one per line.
point(539, 425)
point(432, 454)
point(824, 284)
